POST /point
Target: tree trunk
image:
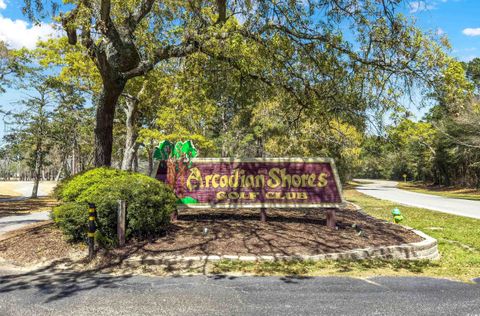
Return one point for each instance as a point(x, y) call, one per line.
point(38, 168)
point(150, 152)
point(106, 104)
point(57, 177)
point(131, 144)
point(135, 161)
point(74, 162)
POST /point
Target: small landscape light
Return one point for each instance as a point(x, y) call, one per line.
point(358, 229)
point(397, 215)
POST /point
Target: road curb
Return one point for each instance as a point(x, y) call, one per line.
point(423, 250)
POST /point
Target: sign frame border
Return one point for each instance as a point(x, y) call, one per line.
point(331, 161)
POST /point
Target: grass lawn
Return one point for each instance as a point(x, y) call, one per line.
point(458, 241)
point(6, 191)
point(466, 194)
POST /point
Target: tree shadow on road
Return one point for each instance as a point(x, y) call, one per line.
point(57, 282)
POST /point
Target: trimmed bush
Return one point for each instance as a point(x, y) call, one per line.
point(72, 219)
point(70, 188)
point(149, 204)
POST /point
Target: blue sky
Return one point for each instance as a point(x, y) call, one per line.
point(458, 19)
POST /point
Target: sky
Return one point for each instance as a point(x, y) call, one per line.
point(457, 19)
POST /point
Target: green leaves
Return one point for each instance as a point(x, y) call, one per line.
point(179, 150)
point(149, 204)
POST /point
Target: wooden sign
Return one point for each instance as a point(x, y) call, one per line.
point(255, 183)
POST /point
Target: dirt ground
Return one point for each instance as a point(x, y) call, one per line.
point(37, 243)
point(226, 232)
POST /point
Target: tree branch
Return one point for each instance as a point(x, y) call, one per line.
point(67, 25)
point(105, 6)
point(222, 11)
point(139, 13)
point(164, 53)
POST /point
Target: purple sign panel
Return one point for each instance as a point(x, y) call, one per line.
point(256, 182)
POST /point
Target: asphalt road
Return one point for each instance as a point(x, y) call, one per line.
point(387, 190)
point(18, 221)
point(65, 293)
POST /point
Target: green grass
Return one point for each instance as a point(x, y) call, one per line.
point(465, 194)
point(458, 243)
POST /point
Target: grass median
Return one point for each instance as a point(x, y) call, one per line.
point(456, 193)
point(458, 242)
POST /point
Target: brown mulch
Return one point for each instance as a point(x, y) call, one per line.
point(225, 232)
point(21, 207)
point(287, 232)
point(36, 243)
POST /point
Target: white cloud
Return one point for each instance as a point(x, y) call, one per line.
point(419, 6)
point(472, 31)
point(468, 58)
point(20, 33)
point(3, 5)
point(440, 31)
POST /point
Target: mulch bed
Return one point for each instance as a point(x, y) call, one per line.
point(226, 232)
point(286, 232)
point(37, 243)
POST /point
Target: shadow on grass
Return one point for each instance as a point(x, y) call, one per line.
point(414, 266)
point(301, 269)
point(20, 206)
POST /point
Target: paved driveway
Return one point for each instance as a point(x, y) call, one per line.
point(387, 190)
point(67, 293)
point(18, 221)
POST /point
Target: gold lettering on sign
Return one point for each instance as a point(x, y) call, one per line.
point(274, 178)
point(221, 195)
point(208, 178)
point(195, 174)
point(322, 180)
point(233, 181)
point(215, 178)
point(224, 181)
point(286, 178)
point(296, 180)
point(237, 178)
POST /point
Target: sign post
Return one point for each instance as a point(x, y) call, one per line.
point(121, 213)
point(331, 218)
point(263, 214)
point(92, 214)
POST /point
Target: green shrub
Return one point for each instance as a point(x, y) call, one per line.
point(72, 218)
point(69, 189)
point(149, 204)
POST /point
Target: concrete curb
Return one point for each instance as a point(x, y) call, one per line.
point(425, 249)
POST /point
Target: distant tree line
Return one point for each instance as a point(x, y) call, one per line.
point(444, 147)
